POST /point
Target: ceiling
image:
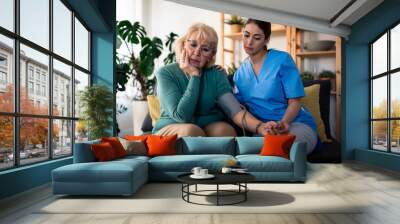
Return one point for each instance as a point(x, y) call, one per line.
point(326, 16)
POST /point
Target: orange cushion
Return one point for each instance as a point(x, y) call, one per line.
point(161, 145)
point(103, 152)
point(116, 145)
point(277, 145)
point(136, 138)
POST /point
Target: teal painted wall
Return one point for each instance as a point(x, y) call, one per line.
point(356, 84)
point(100, 16)
point(27, 177)
point(103, 53)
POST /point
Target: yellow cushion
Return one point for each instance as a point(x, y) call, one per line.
point(311, 102)
point(154, 108)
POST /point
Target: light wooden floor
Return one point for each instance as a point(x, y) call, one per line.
point(378, 189)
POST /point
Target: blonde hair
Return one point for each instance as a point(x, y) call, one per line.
point(205, 34)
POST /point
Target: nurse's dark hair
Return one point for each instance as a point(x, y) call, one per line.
point(264, 26)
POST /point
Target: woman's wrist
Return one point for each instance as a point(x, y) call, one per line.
point(284, 121)
point(258, 126)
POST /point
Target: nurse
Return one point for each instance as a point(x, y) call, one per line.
point(269, 84)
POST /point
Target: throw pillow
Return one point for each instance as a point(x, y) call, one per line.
point(136, 137)
point(147, 126)
point(161, 145)
point(136, 147)
point(103, 151)
point(277, 145)
point(116, 145)
point(154, 108)
point(311, 102)
point(324, 101)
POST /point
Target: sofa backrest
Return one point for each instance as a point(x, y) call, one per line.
point(83, 153)
point(249, 145)
point(206, 145)
point(190, 146)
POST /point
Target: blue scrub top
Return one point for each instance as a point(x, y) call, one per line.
point(267, 94)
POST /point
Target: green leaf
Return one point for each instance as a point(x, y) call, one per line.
point(130, 33)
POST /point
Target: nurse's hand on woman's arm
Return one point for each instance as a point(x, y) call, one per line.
point(220, 68)
point(283, 127)
point(268, 128)
point(185, 65)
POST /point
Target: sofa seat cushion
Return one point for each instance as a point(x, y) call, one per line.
point(133, 158)
point(206, 145)
point(185, 163)
point(112, 171)
point(257, 163)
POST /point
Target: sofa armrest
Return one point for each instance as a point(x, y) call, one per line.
point(298, 155)
point(83, 152)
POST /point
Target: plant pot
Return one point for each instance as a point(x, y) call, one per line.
point(333, 83)
point(236, 28)
point(139, 112)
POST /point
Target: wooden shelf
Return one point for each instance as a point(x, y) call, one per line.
point(234, 36)
point(294, 42)
point(238, 36)
point(229, 51)
point(278, 28)
point(316, 53)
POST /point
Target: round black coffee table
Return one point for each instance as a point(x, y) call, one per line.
point(238, 179)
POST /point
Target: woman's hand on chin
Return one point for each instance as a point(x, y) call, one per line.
point(186, 67)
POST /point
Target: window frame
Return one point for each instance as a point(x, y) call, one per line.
point(16, 114)
point(388, 74)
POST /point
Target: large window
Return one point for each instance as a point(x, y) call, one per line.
point(385, 93)
point(44, 64)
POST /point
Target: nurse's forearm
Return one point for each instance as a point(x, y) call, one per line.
point(291, 111)
point(250, 122)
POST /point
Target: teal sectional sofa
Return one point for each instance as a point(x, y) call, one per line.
point(125, 176)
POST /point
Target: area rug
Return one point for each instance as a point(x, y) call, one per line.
point(167, 198)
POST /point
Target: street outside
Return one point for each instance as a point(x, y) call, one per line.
point(32, 156)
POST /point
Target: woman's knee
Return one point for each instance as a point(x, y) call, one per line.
point(219, 129)
point(304, 134)
point(181, 130)
point(191, 130)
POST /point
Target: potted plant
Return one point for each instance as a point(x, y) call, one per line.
point(96, 102)
point(139, 65)
point(329, 75)
point(231, 69)
point(306, 76)
point(236, 23)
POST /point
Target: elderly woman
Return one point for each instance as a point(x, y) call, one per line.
point(192, 91)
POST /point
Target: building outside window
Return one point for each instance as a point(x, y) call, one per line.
point(30, 72)
point(44, 78)
point(43, 90)
point(37, 74)
point(3, 72)
point(30, 87)
point(3, 78)
point(3, 81)
point(38, 89)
